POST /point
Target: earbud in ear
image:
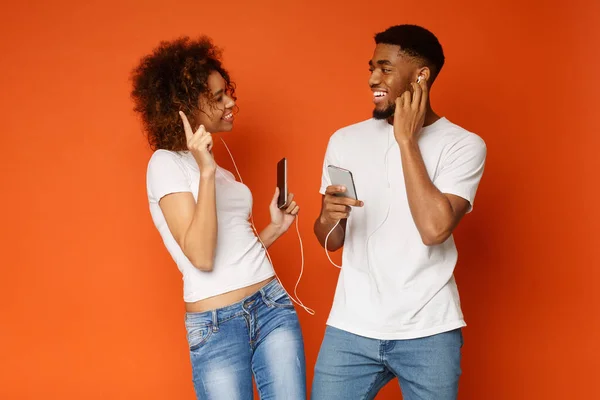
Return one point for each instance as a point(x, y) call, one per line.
point(419, 79)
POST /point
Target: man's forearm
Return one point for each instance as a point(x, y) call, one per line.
point(336, 238)
point(430, 209)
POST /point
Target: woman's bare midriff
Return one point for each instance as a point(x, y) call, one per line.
point(225, 299)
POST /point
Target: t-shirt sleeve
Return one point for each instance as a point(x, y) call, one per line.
point(462, 168)
point(330, 159)
point(166, 175)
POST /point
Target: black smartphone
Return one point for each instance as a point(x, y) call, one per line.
point(282, 183)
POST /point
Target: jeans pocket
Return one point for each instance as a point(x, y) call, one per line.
point(277, 297)
point(197, 335)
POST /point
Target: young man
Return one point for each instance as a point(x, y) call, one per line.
point(396, 311)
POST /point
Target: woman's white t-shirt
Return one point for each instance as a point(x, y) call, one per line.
point(240, 258)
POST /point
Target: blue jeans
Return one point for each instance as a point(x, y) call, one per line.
point(354, 367)
point(259, 336)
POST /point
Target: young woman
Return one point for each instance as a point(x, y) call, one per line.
point(240, 321)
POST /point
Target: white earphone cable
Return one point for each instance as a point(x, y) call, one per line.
point(372, 233)
point(297, 299)
point(326, 239)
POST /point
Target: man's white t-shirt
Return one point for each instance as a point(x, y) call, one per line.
point(240, 259)
point(392, 286)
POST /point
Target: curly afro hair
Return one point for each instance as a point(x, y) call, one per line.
point(171, 79)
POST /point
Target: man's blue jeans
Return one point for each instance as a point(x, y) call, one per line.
point(352, 367)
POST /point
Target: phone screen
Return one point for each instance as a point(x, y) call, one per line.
point(282, 182)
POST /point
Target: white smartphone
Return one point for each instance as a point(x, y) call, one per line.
point(342, 177)
point(282, 183)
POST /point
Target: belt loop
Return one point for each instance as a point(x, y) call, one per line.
point(215, 321)
point(263, 290)
point(263, 295)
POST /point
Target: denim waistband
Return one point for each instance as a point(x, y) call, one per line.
point(235, 309)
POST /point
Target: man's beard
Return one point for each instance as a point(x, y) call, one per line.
point(385, 113)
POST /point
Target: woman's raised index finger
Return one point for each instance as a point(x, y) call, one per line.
point(186, 126)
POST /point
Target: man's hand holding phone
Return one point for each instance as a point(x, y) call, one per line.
point(336, 207)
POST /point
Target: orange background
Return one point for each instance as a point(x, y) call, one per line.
point(90, 301)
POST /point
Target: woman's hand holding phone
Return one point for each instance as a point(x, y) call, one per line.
point(282, 218)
